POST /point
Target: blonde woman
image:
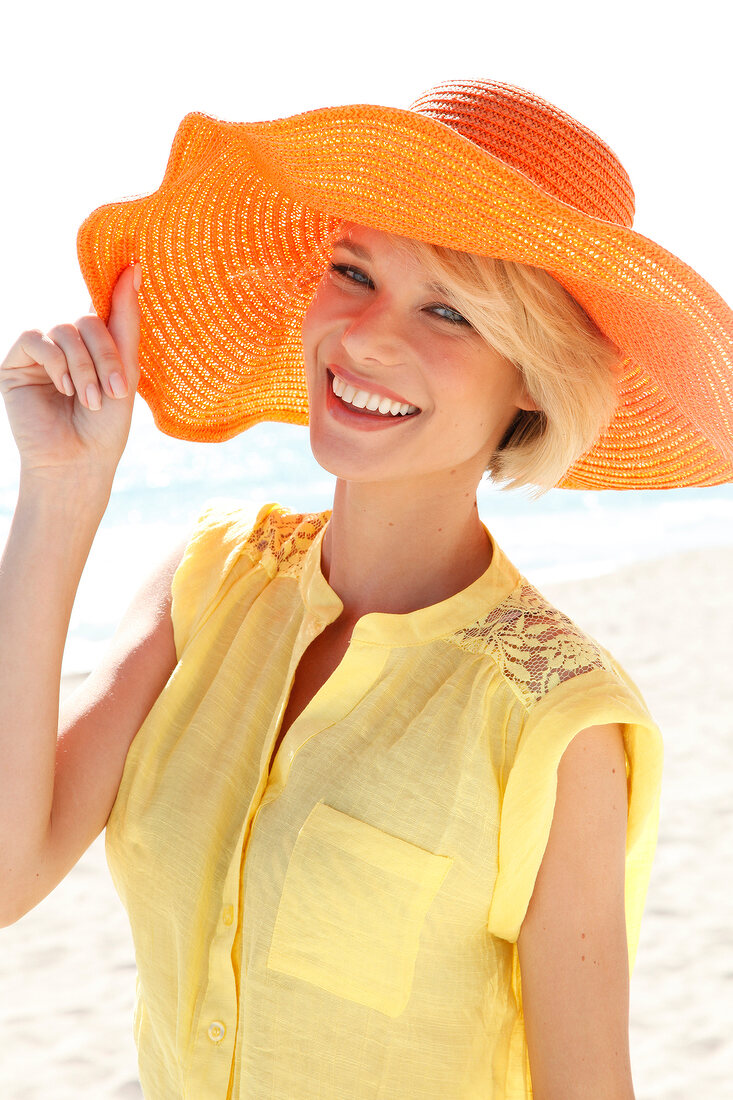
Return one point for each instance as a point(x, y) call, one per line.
point(382, 817)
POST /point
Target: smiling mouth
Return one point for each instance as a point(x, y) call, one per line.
point(369, 404)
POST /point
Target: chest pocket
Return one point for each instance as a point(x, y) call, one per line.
point(353, 903)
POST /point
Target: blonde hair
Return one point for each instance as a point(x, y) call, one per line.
point(569, 367)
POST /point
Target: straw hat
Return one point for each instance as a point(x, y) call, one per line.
point(234, 241)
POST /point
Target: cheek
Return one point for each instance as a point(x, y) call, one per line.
point(321, 318)
point(481, 395)
point(500, 383)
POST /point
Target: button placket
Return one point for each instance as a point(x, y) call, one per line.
point(310, 627)
point(209, 1071)
point(213, 1049)
point(216, 1031)
point(348, 683)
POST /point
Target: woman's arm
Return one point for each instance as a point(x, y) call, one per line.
point(572, 947)
point(69, 397)
point(60, 773)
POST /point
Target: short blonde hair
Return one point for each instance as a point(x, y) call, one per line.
point(569, 367)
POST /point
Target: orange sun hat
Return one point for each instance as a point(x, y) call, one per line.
point(236, 238)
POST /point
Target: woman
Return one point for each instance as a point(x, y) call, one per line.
point(382, 818)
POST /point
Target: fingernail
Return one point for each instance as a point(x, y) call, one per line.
point(94, 400)
point(68, 385)
point(118, 385)
point(137, 276)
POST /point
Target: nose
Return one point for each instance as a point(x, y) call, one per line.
point(374, 332)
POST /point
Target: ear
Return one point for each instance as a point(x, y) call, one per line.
point(525, 402)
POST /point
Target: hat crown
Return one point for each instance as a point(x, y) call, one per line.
point(560, 155)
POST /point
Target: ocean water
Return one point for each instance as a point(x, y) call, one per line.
point(163, 484)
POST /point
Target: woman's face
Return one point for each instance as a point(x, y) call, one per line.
point(379, 332)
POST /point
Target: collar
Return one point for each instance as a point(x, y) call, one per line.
point(414, 627)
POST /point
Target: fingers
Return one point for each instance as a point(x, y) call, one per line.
point(78, 374)
point(89, 359)
point(94, 365)
point(31, 350)
point(124, 320)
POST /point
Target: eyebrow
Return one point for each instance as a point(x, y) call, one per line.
point(344, 242)
point(364, 254)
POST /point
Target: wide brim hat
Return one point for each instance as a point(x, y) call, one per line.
point(237, 236)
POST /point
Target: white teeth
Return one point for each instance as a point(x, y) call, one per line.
point(362, 399)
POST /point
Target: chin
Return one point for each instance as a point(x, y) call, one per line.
point(345, 470)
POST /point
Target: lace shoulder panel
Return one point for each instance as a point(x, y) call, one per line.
point(535, 645)
point(281, 539)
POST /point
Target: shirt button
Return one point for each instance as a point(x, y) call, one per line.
point(227, 915)
point(216, 1031)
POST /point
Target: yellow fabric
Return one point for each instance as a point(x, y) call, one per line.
point(342, 925)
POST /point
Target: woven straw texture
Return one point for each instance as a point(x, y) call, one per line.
point(236, 238)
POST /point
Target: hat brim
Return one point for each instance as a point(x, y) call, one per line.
point(234, 241)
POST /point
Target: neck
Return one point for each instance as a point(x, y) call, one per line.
point(389, 550)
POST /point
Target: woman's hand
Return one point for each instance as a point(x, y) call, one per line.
point(69, 392)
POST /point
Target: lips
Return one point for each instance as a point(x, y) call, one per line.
point(373, 404)
point(365, 419)
point(343, 375)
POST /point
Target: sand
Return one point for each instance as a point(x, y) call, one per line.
point(67, 970)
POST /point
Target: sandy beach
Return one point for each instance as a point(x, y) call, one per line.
point(67, 971)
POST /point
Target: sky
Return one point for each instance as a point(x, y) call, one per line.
point(92, 94)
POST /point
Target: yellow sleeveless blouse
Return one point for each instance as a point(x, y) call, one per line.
point(340, 922)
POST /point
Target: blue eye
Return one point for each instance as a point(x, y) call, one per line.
point(351, 274)
point(450, 315)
